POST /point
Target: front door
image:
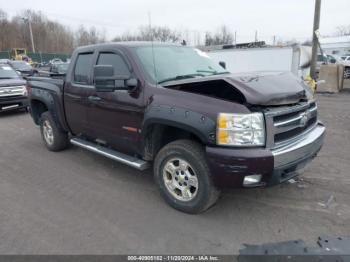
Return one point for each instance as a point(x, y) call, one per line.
point(76, 94)
point(116, 117)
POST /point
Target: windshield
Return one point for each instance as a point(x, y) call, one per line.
point(21, 65)
point(176, 62)
point(7, 72)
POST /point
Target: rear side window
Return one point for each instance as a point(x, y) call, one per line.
point(82, 68)
point(119, 65)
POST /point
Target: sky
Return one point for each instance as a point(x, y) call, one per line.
point(284, 19)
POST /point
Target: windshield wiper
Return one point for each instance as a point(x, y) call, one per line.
point(213, 72)
point(179, 77)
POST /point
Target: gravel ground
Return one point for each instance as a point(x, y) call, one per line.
point(75, 202)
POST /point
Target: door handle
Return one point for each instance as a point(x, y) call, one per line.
point(94, 98)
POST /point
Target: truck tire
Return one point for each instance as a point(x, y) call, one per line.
point(183, 177)
point(54, 139)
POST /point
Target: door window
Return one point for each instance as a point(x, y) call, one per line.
point(115, 60)
point(82, 68)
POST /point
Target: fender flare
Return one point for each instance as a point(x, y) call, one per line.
point(196, 123)
point(52, 104)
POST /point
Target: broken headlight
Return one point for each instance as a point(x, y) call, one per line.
point(240, 129)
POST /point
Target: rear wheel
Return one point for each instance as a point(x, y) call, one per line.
point(54, 138)
point(183, 176)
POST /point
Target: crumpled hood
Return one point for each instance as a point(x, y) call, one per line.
point(269, 88)
point(11, 82)
point(257, 88)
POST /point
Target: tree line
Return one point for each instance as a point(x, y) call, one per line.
point(165, 34)
point(49, 36)
point(53, 37)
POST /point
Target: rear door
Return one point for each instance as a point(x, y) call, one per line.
point(77, 91)
point(116, 117)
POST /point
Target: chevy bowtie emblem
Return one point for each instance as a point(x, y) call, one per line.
point(305, 116)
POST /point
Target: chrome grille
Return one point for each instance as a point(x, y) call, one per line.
point(285, 124)
point(11, 91)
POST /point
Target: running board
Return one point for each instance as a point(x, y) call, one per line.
point(110, 153)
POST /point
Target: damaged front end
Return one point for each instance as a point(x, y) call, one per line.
point(292, 134)
point(256, 89)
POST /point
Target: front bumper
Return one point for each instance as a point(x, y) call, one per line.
point(230, 166)
point(13, 103)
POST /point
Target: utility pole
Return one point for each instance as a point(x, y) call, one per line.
point(31, 35)
point(256, 36)
point(30, 32)
point(315, 43)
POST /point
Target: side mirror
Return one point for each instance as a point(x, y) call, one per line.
point(103, 75)
point(222, 64)
point(106, 81)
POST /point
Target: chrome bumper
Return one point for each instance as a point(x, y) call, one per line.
point(302, 149)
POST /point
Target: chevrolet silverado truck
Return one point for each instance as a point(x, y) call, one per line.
point(172, 108)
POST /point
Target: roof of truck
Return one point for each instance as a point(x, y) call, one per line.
point(130, 44)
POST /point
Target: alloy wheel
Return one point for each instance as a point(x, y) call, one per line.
point(180, 179)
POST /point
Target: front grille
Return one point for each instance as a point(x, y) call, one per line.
point(294, 132)
point(287, 123)
point(11, 91)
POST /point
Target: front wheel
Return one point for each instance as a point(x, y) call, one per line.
point(183, 176)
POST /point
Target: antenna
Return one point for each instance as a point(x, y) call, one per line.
point(153, 56)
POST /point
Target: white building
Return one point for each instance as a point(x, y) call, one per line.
point(336, 45)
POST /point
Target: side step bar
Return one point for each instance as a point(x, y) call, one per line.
point(110, 153)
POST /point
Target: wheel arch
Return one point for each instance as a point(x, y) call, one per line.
point(163, 124)
point(37, 108)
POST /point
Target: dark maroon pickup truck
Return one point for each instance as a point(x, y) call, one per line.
point(171, 107)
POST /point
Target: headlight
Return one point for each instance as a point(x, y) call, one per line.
point(240, 129)
point(24, 91)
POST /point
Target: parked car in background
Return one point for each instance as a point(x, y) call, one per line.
point(332, 59)
point(4, 61)
point(174, 109)
point(23, 67)
point(340, 60)
point(55, 70)
point(345, 58)
point(13, 93)
point(56, 60)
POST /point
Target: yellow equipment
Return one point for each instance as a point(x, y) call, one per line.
point(18, 53)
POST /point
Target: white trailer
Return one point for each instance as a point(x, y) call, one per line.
point(295, 59)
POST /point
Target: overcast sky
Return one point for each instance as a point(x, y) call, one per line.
point(286, 19)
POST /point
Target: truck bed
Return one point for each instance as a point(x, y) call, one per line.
point(38, 81)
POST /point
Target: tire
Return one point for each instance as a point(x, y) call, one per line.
point(176, 161)
point(54, 138)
